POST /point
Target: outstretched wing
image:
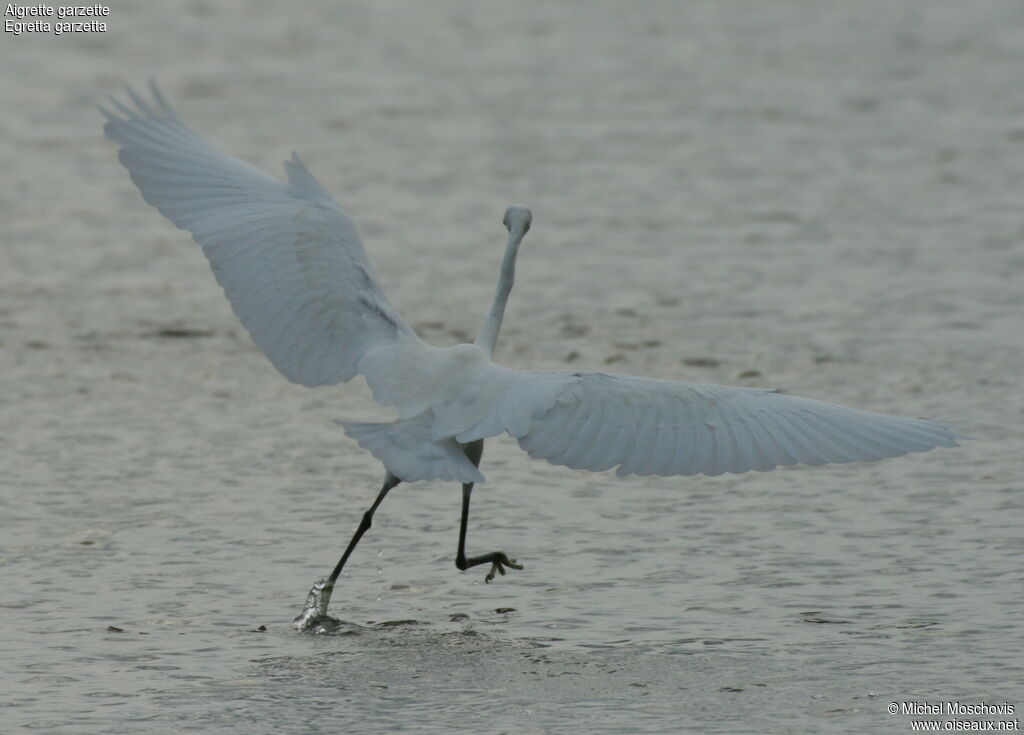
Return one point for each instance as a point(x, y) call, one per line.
point(288, 257)
point(596, 421)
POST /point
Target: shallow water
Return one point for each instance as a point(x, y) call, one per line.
point(821, 198)
point(729, 607)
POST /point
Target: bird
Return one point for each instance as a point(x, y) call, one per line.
point(293, 267)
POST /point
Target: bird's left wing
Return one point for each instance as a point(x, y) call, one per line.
point(286, 254)
point(644, 426)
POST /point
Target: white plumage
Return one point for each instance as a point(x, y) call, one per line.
point(287, 256)
point(292, 265)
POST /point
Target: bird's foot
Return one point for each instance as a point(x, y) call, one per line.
point(498, 564)
point(314, 617)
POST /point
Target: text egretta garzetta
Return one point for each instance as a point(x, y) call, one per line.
point(292, 266)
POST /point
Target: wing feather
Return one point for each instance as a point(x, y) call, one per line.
point(603, 448)
point(797, 441)
point(665, 443)
point(845, 449)
point(644, 426)
point(702, 449)
point(287, 256)
point(731, 447)
point(775, 452)
point(584, 430)
point(639, 456)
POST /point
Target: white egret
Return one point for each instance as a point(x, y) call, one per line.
point(292, 265)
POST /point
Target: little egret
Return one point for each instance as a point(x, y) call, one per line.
point(291, 263)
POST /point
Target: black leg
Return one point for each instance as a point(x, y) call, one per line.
point(498, 559)
point(314, 617)
point(389, 482)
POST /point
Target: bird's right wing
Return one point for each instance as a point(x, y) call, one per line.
point(288, 257)
point(596, 421)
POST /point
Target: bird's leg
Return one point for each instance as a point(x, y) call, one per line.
point(314, 616)
point(364, 525)
point(498, 559)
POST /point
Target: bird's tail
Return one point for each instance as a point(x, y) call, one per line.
point(408, 452)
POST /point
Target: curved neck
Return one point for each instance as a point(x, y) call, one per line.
point(488, 335)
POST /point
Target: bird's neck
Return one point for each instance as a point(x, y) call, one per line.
point(488, 335)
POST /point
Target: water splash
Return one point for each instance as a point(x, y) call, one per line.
point(314, 618)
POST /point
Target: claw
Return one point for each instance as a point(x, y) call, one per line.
point(499, 567)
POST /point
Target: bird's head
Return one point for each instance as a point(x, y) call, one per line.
point(517, 220)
